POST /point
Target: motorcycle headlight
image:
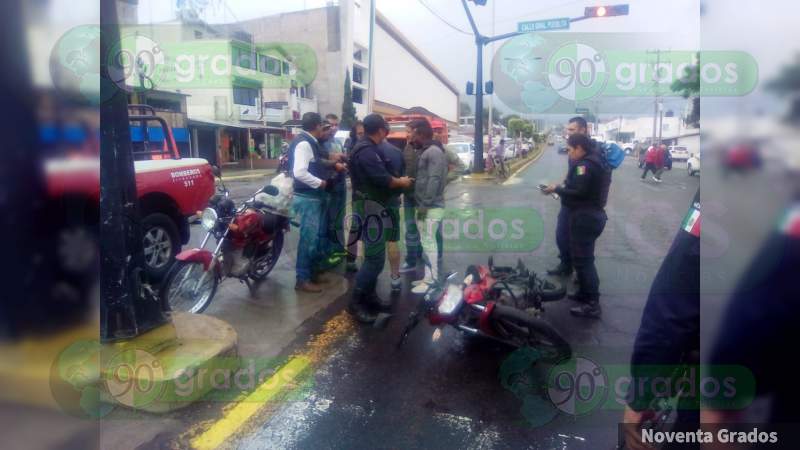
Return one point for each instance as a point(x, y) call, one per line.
point(453, 297)
point(208, 219)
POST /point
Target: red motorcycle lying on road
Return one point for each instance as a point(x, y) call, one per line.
point(249, 242)
point(477, 308)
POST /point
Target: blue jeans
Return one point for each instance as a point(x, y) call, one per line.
point(333, 241)
point(413, 245)
point(308, 213)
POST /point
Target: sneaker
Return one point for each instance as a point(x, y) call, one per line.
point(396, 285)
point(380, 302)
point(420, 288)
point(307, 286)
point(656, 179)
point(560, 270)
point(422, 281)
point(590, 310)
point(406, 267)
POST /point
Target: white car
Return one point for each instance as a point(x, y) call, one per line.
point(693, 164)
point(465, 152)
point(678, 152)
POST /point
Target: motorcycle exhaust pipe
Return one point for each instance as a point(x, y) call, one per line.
point(476, 332)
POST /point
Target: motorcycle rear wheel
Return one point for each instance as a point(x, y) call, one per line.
point(521, 329)
point(180, 291)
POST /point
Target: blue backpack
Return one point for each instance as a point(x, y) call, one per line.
point(613, 154)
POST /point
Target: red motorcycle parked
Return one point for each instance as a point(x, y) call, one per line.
point(468, 307)
point(249, 242)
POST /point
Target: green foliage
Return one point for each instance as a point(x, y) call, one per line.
point(348, 110)
point(519, 126)
point(787, 84)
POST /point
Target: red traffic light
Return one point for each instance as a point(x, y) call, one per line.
point(606, 11)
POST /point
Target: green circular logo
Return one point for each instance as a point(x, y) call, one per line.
point(134, 378)
point(577, 386)
point(577, 72)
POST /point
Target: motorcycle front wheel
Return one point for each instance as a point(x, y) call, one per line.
point(188, 287)
point(268, 259)
point(521, 329)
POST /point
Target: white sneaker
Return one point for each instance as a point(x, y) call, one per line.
point(420, 288)
point(396, 285)
point(422, 281)
point(405, 268)
point(656, 180)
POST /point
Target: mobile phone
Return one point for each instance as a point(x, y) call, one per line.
point(542, 187)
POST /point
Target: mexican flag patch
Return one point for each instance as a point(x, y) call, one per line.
point(580, 170)
point(691, 223)
point(790, 224)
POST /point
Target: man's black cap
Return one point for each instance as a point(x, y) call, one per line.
point(374, 123)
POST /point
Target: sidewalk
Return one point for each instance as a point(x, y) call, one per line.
point(247, 174)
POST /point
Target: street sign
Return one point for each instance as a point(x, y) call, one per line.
point(581, 110)
point(561, 23)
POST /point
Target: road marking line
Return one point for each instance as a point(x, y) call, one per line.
point(515, 175)
point(247, 408)
point(283, 380)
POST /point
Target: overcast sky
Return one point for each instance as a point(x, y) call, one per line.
point(764, 29)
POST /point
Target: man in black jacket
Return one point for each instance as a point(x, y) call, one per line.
point(373, 188)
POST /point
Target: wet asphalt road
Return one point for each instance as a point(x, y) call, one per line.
point(454, 392)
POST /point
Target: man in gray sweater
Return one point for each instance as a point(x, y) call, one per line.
point(428, 197)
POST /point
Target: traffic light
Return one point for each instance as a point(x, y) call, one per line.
point(470, 88)
point(606, 11)
point(489, 88)
point(480, 2)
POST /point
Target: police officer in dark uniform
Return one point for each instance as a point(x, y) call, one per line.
point(373, 187)
point(584, 195)
point(669, 334)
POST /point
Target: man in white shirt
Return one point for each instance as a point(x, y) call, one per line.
point(309, 168)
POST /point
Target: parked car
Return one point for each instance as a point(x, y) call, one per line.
point(465, 152)
point(509, 152)
point(693, 164)
point(170, 188)
point(678, 152)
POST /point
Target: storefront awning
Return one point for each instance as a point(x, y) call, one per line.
point(223, 123)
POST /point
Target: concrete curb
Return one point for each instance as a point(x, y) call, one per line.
point(514, 168)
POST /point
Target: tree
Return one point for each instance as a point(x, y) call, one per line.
point(519, 126)
point(348, 110)
point(505, 119)
point(787, 84)
point(466, 110)
point(688, 85)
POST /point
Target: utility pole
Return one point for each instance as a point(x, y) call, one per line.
point(128, 306)
point(656, 96)
point(491, 96)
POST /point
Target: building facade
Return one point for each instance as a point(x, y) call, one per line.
point(339, 35)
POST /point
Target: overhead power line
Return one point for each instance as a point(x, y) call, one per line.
point(422, 2)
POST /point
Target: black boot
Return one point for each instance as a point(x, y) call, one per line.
point(590, 309)
point(379, 303)
point(562, 270)
point(359, 309)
